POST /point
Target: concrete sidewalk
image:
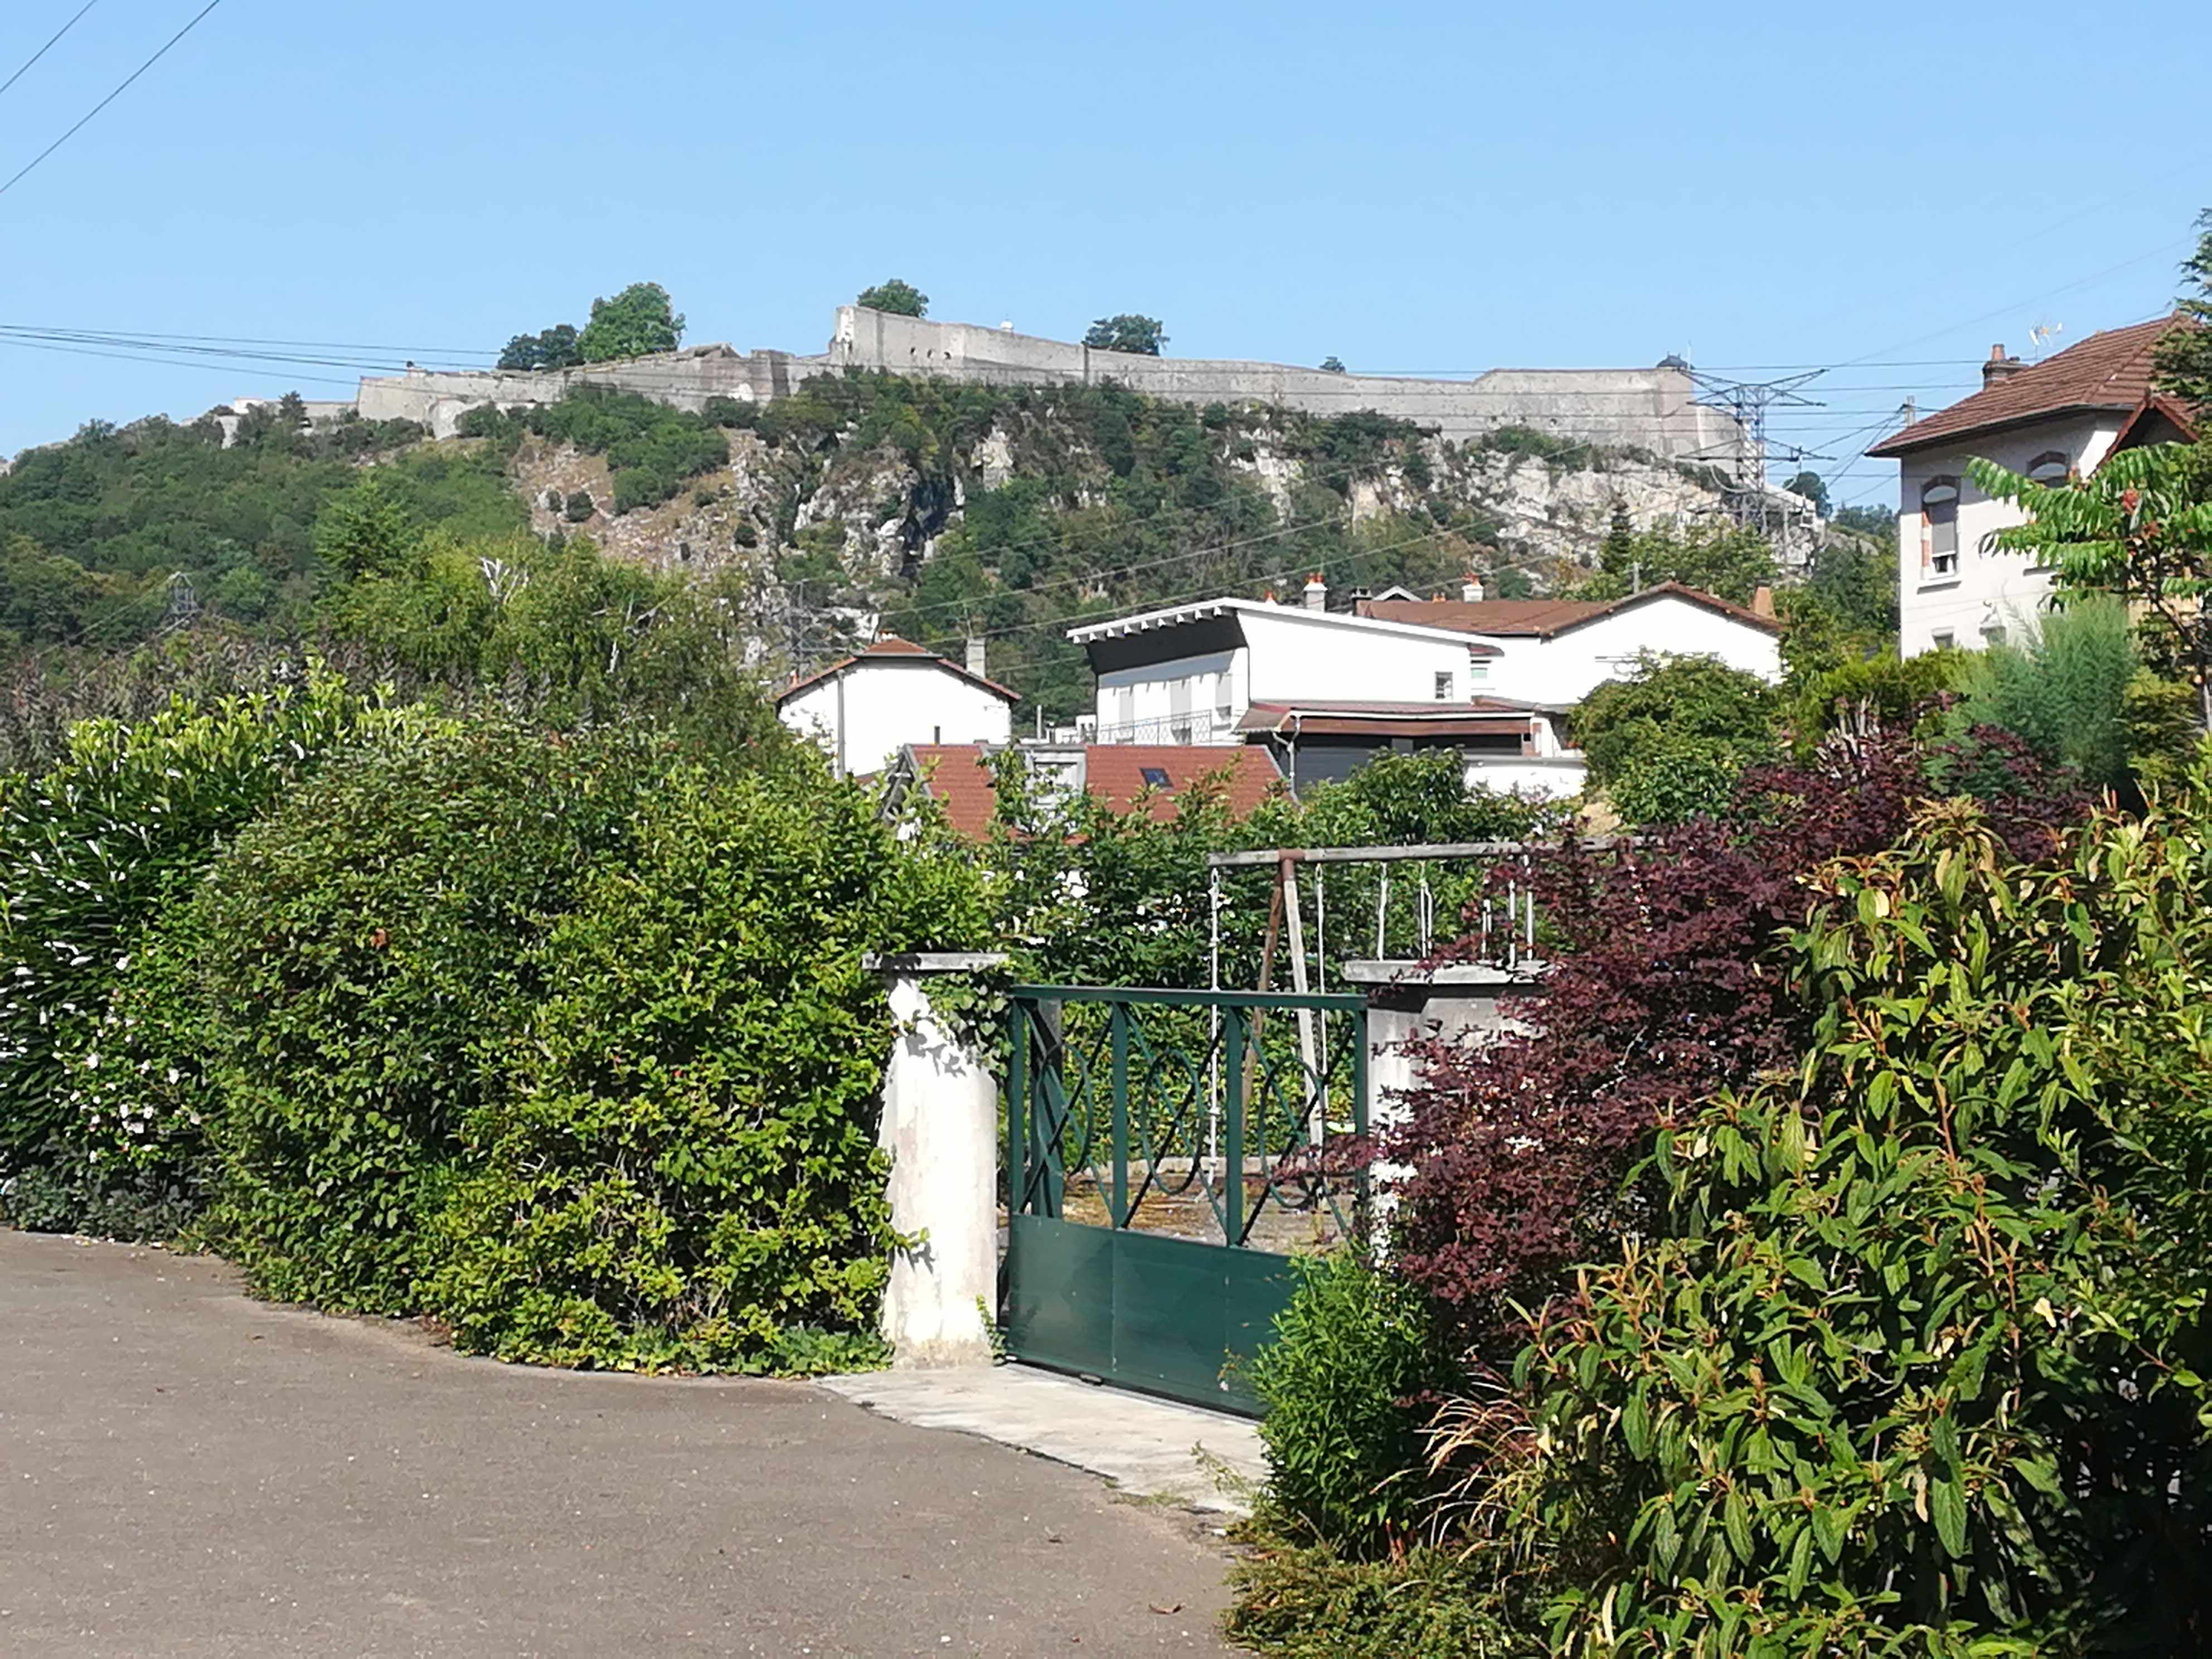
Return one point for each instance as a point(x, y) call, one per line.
point(1149, 1448)
point(189, 1473)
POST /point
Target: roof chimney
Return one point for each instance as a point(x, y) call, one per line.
point(1470, 591)
point(1762, 602)
point(1316, 592)
point(976, 659)
point(2000, 367)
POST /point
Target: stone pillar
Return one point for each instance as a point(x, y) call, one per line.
point(941, 1127)
point(1411, 1001)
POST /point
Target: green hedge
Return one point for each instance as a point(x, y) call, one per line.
point(685, 1173)
point(1346, 1384)
point(370, 961)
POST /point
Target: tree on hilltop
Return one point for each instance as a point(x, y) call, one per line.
point(1813, 488)
point(1141, 336)
point(897, 296)
point(637, 322)
point(555, 349)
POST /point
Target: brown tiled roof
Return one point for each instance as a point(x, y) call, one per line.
point(959, 775)
point(1543, 618)
point(1115, 772)
point(2109, 370)
point(892, 646)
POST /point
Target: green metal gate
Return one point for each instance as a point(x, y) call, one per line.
point(1166, 1151)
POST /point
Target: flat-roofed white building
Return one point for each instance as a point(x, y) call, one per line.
point(1326, 690)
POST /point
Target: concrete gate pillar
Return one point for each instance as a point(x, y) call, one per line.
point(1409, 1002)
point(940, 1125)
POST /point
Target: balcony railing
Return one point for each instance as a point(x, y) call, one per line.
point(1201, 726)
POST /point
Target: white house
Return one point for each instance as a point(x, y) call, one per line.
point(1327, 688)
point(868, 708)
point(1187, 674)
point(1554, 653)
point(2046, 420)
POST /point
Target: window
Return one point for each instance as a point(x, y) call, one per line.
point(2051, 467)
point(1942, 638)
point(1155, 777)
point(1939, 518)
point(1993, 634)
point(1444, 686)
point(1478, 671)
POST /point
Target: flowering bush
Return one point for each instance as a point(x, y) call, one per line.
point(97, 850)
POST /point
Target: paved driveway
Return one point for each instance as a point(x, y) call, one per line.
point(184, 1472)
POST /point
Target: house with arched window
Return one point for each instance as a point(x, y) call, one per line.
point(2051, 420)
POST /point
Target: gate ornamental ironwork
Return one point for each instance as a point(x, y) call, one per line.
point(1167, 1151)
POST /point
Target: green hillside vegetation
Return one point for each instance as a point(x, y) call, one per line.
point(937, 511)
point(92, 530)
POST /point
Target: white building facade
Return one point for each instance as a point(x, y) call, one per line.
point(2046, 421)
point(1328, 689)
point(865, 710)
point(1189, 673)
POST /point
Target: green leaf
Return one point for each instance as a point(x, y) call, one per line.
point(1947, 1508)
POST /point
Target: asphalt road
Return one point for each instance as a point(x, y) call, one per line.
point(184, 1472)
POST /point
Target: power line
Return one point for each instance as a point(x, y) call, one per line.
point(1284, 575)
point(49, 46)
point(86, 118)
point(249, 349)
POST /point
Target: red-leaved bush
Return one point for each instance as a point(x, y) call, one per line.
point(1668, 985)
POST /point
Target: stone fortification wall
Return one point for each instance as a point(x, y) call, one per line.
point(684, 380)
point(1650, 409)
point(1646, 407)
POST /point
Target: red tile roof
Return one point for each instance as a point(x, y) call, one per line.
point(893, 647)
point(1116, 773)
point(959, 775)
point(2109, 370)
point(1543, 618)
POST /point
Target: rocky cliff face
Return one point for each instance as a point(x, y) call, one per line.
point(884, 516)
point(832, 516)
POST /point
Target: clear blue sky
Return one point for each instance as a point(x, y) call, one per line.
point(1410, 187)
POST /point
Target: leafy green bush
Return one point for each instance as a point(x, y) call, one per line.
point(1669, 741)
point(1886, 690)
point(685, 1172)
point(369, 962)
point(1344, 1384)
point(579, 506)
point(131, 1202)
point(1910, 1359)
point(101, 846)
point(638, 486)
point(566, 635)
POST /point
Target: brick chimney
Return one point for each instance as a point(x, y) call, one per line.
point(1316, 592)
point(2000, 367)
point(1762, 602)
point(1470, 591)
point(977, 652)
